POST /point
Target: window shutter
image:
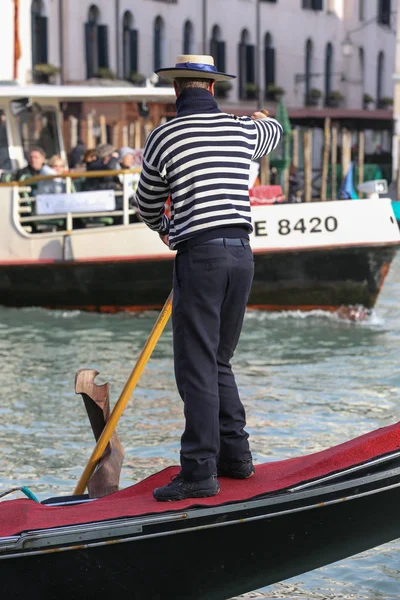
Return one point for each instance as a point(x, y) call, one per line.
point(242, 68)
point(250, 52)
point(220, 58)
point(187, 39)
point(103, 45)
point(89, 33)
point(316, 5)
point(126, 53)
point(328, 70)
point(384, 10)
point(42, 27)
point(133, 38)
point(157, 50)
point(214, 49)
point(35, 38)
point(269, 66)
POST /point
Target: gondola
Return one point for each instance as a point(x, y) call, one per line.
point(293, 516)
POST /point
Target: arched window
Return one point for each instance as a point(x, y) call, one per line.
point(188, 38)
point(269, 66)
point(94, 14)
point(247, 86)
point(39, 36)
point(130, 46)
point(308, 68)
point(217, 48)
point(380, 93)
point(159, 43)
point(328, 70)
point(96, 42)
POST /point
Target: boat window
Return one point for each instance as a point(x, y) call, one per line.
point(5, 161)
point(38, 127)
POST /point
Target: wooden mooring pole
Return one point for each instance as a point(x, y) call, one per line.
point(361, 153)
point(307, 141)
point(334, 137)
point(325, 158)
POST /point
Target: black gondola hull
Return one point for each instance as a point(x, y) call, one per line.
point(212, 553)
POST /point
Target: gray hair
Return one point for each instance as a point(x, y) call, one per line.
point(37, 149)
point(104, 150)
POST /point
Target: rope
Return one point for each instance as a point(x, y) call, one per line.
point(24, 490)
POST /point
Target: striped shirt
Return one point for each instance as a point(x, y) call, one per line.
point(202, 162)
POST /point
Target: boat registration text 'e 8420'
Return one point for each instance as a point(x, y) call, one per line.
point(285, 226)
point(319, 224)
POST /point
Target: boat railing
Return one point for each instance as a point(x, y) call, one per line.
point(71, 183)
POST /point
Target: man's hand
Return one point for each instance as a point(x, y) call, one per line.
point(164, 238)
point(259, 114)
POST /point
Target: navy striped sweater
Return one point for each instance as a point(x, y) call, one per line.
point(201, 159)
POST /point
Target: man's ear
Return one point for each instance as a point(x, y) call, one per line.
point(176, 89)
point(211, 88)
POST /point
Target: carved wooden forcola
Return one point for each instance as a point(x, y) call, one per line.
point(105, 479)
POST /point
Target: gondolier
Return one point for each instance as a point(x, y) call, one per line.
point(201, 160)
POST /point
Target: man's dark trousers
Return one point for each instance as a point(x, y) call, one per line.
point(212, 282)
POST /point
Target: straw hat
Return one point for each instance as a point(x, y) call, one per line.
point(194, 66)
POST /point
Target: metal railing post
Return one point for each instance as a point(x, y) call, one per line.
point(125, 199)
point(68, 185)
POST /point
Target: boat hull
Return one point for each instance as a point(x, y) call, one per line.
point(208, 564)
point(325, 278)
point(211, 553)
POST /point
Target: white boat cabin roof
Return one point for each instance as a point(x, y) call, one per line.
point(89, 92)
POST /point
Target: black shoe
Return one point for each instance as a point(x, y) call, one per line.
point(242, 469)
point(179, 489)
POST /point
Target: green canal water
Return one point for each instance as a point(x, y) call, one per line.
point(309, 381)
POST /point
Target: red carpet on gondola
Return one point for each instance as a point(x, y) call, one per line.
point(17, 516)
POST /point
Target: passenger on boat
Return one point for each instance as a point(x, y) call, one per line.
point(76, 155)
point(57, 166)
point(36, 165)
point(201, 159)
point(89, 157)
point(105, 161)
point(126, 161)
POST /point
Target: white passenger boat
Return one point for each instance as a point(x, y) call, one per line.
point(76, 251)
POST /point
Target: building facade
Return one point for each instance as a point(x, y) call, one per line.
point(316, 52)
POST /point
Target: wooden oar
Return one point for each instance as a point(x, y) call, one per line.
point(125, 395)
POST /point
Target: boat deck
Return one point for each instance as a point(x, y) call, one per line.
point(17, 516)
